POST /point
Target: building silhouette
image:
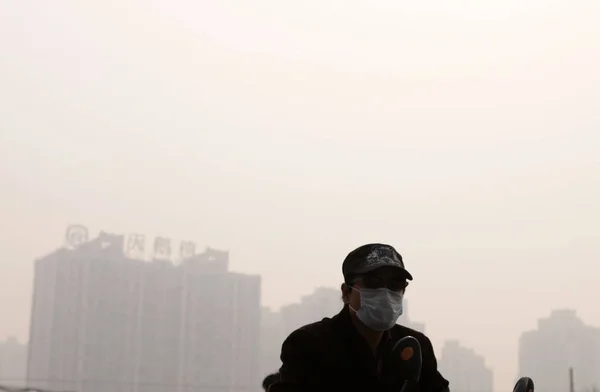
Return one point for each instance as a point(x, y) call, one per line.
point(104, 321)
point(323, 302)
point(13, 363)
point(407, 321)
point(272, 335)
point(465, 369)
point(560, 342)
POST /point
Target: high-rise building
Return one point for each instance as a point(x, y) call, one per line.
point(82, 323)
point(103, 321)
point(272, 335)
point(560, 342)
point(221, 326)
point(13, 363)
point(323, 302)
point(465, 369)
point(406, 320)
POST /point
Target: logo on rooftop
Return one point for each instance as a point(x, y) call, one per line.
point(76, 236)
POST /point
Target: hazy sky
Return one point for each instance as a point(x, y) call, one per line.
point(465, 133)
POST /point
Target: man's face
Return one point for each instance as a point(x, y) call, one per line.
point(390, 277)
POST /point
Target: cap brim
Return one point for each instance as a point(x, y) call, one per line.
point(372, 267)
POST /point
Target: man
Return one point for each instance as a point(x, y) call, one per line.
point(269, 380)
point(350, 352)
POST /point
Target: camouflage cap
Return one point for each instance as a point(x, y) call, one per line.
point(371, 257)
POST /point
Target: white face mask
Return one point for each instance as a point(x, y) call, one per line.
point(379, 308)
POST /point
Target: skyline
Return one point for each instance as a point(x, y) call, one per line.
point(104, 250)
point(157, 254)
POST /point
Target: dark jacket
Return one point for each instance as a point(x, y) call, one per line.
point(330, 355)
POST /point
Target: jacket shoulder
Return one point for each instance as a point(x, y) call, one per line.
point(304, 349)
point(320, 330)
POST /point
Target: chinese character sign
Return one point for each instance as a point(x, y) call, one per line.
point(187, 249)
point(135, 245)
point(162, 248)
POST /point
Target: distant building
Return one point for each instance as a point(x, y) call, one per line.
point(105, 322)
point(323, 302)
point(560, 342)
point(272, 335)
point(465, 369)
point(13, 363)
point(407, 322)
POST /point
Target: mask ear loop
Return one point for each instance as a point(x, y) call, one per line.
point(350, 306)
